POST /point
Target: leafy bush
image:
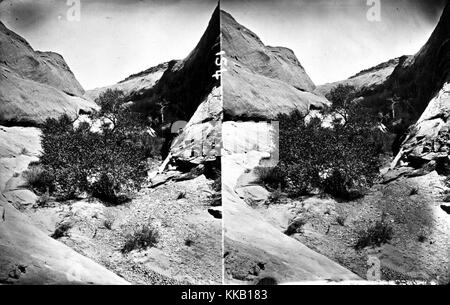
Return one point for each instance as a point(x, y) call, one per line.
point(108, 164)
point(141, 239)
point(341, 160)
point(376, 235)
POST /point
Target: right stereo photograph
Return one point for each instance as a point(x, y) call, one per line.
point(336, 141)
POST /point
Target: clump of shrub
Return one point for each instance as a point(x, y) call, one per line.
point(271, 177)
point(181, 195)
point(43, 200)
point(376, 235)
point(109, 164)
point(274, 197)
point(341, 160)
point(107, 223)
point(61, 230)
point(414, 191)
point(215, 199)
point(340, 219)
point(295, 226)
point(141, 239)
point(38, 178)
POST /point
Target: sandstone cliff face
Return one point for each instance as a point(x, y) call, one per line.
point(186, 83)
point(35, 85)
point(365, 82)
point(425, 79)
point(133, 86)
point(261, 81)
point(246, 49)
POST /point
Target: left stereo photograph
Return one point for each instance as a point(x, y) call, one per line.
point(110, 139)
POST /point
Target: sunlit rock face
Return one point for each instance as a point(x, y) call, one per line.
point(35, 85)
point(262, 81)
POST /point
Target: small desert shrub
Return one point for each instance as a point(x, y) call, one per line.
point(341, 220)
point(38, 178)
point(414, 191)
point(421, 238)
point(296, 226)
point(43, 200)
point(188, 242)
point(141, 239)
point(181, 195)
point(274, 197)
point(376, 235)
point(215, 199)
point(270, 176)
point(61, 230)
point(268, 280)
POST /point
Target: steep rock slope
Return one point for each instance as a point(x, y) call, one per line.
point(35, 85)
point(134, 85)
point(262, 81)
point(365, 82)
point(426, 76)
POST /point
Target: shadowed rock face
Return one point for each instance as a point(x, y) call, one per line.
point(261, 81)
point(35, 85)
point(186, 83)
point(134, 85)
point(425, 78)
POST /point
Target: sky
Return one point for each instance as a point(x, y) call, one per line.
point(112, 38)
point(334, 39)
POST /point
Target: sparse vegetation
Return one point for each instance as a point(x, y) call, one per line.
point(296, 226)
point(340, 219)
point(61, 230)
point(414, 191)
point(43, 200)
point(141, 239)
point(215, 199)
point(421, 238)
point(188, 242)
point(376, 235)
point(38, 178)
point(181, 195)
point(274, 197)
